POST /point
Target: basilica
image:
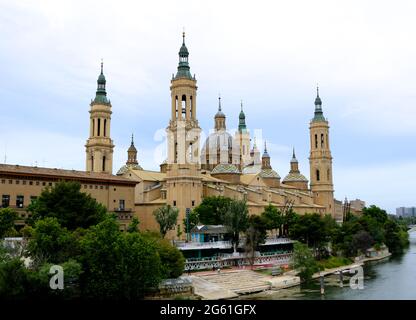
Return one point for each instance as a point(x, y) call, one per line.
point(229, 165)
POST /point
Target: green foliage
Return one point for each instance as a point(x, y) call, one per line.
point(376, 213)
point(304, 261)
point(7, 218)
point(118, 265)
point(51, 242)
point(134, 225)
point(236, 220)
point(166, 217)
point(272, 217)
point(172, 259)
point(69, 205)
point(333, 262)
point(256, 234)
point(193, 220)
point(396, 238)
point(212, 210)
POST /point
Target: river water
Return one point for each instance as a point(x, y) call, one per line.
point(392, 278)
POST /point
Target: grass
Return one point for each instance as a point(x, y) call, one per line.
point(333, 262)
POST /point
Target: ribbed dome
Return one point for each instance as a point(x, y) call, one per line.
point(269, 173)
point(101, 79)
point(318, 101)
point(128, 167)
point(221, 140)
point(132, 148)
point(295, 176)
point(225, 168)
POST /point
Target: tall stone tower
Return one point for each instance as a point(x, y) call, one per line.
point(242, 138)
point(183, 179)
point(99, 146)
point(320, 159)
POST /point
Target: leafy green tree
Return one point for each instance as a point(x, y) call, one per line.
point(69, 205)
point(304, 261)
point(166, 217)
point(134, 225)
point(377, 213)
point(7, 218)
point(362, 241)
point(256, 234)
point(51, 242)
point(118, 265)
point(273, 218)
point(172, 259)
point(396, 238)
point(212, 210)
point(236, 220)
point(193, 220)
point(289, 219)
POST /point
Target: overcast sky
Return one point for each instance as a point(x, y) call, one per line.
point(271, 55)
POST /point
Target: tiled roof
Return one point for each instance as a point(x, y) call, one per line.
point(293, 176)
point(61, 173)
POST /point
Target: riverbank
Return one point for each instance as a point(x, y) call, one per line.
point(232, 283)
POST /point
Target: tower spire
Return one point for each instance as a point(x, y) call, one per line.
point(183, 67)
point(101, 94)
point(219, 102)
point(242, 120)
point(319, 115)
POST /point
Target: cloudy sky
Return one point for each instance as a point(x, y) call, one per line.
point(271, 55)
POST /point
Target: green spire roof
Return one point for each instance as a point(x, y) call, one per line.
point(242, 120)
point(101, 94)
point(265, 153)
point(319, 115)
point(183, 67)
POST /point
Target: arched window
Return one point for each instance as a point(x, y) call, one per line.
point(183, 104)
point(322, 140)
point(105, 127)
point(92, 163)
point(317, 175)
point(103, 163)
point(93, 127)
point(191, 104)
point(316, 141)
point(99, 127)
point(176, 107)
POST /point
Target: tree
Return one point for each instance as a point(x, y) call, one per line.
point(134, 225)
point(377, 213)
point(7, 218)
point(166, 217)
point(51, 242)
point(236, 220)
point(273, 218)
point(304, 262)
point(192, 221)
point(255, 235)
point(362, 241)
point(172, 259)
point(289, 219)
point(69, 205)
point(396, 238)
point(212, 210)
point(118, 265)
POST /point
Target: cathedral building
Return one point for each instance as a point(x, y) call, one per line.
point(227, 165)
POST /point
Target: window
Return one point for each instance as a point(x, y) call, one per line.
point(316, 141)
point(5, 200)
point(193, 203)
point(96, 187)
point(105, 127)
point(93, 127)
point(99, 127)
point(3, 181)
point(317, 175)
point(24, 182)
point(43, 183)
point(121, 204)
point(101, 187)
point(90, 186)
point(322, 140)
point(50, 184)
point(17, 182)
point(85, 186)
point(31, 183)
point(174, 203)
point(183, 104)
point(10, 181)
point(104, 163)
point(37, 183)
point(20, 201)
point(115, 189)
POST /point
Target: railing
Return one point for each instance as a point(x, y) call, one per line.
point(224, 244)
point(122, 209)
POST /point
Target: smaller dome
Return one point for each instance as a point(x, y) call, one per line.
point(132, 148)
point(318, 101)
point(295, 176)
point(225, 168)
point(128, 167)
point(220, 114)
point(242, 115)
point(269, 173)
point(183, 50)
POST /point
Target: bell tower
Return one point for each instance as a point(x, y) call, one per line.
point(183, 177)
point(99, 146)
point(320, 159)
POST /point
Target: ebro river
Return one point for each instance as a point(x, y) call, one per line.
point(391, 278)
